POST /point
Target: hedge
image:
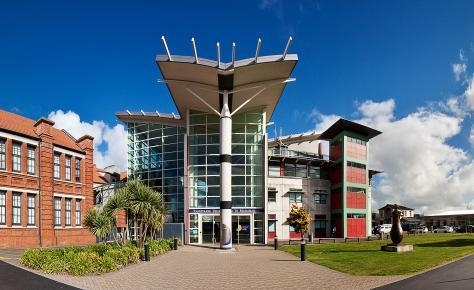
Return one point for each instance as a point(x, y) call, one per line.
point(94, 259)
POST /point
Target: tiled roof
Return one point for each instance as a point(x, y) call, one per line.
point(392, 206)
point(18, 124)
point(97, 178)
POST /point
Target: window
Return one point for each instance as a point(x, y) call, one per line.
point(57, 211)
point(31, 160)
point(57, 166)
point(78, 169)
point(16, 157)
point(272, 194)
point(31, 205)
point(78, 212)
point(3, 152)
point(320, 224)
point(320, 197)
point(16, 209)
point(68, 212)
point(68, 168)
point(295, 197)
point(271, 226)
point(3, 205)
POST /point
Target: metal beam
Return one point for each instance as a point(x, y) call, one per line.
point(166, 47)
point(218, 48)
point(259, 43)
point(195, 50)
point(287, 47)
point(202, 100)
point(233, 54)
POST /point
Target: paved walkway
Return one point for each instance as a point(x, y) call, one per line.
point(254, 267)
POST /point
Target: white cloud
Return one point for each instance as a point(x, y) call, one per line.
point(459, 69)
point(421, 170)
point(113, 139)
point(471, 136)
point(469, 94)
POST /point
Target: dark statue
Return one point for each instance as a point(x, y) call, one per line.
point(396, 233)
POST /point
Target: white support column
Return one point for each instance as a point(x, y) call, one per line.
point(226, 174)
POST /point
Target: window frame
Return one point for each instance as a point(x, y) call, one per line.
point(3, 207)
point(68, 212)
point(273, 198)
point(16, 208)
point(295, 194)
point(78, 216)
point(320, 194)
point(16, 157)
point(68, 168)
point(57, 166)
point(31, 209)
point(31, 160)
point(57, 211)
point(3, 154)
point(78, 169)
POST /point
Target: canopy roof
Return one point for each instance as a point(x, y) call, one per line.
point(343, 124)
point(192, 80)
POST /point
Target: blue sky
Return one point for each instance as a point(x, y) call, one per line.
point(96, 59)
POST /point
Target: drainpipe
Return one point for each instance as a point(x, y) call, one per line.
point(39, 195)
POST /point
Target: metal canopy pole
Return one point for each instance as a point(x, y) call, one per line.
point(226, 173)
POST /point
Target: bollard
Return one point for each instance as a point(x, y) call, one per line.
point(275, 243)
point(303, 250)
point(175, 244)
point(147, 252)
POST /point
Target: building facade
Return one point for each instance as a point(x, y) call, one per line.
point(221, 176)
point(45, 184)
point(385, 213)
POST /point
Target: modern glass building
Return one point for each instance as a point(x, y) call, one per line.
point(212, 162)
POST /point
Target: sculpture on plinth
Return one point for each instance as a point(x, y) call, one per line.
point(396, 233)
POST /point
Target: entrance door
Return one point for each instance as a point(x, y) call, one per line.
point(210, 226)
point(241, 229)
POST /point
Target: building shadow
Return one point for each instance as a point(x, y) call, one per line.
point(450, 243)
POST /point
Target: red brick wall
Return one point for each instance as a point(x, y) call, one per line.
point(24, 236)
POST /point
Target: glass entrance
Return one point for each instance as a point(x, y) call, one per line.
point(210, 226)
point(241, 229)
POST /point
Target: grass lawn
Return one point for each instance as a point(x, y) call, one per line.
point(366, 258)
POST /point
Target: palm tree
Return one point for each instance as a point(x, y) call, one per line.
point(99, 223)
point(143, 203)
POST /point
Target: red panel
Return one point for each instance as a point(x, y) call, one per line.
point(355, 200)
point(295, 235)
point(271, 235)
point(336, 175)
point(356, 227)
point(336, 151)
point(336, 199)
point(356, 175)
point(356, 151)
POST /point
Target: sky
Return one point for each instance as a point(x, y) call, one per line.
point(402, 67)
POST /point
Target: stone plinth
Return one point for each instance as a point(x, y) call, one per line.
point(397, 248)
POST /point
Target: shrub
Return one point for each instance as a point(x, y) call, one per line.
point(81, 263)
point(95, 259)
point(119, 256)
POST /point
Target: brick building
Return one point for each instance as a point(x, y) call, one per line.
point(45, 184)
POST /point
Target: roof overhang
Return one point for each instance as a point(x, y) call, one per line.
point(188, 76)
point(151, 117)
point(346, 125)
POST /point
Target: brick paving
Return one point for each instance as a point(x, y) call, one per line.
point(254, 267)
